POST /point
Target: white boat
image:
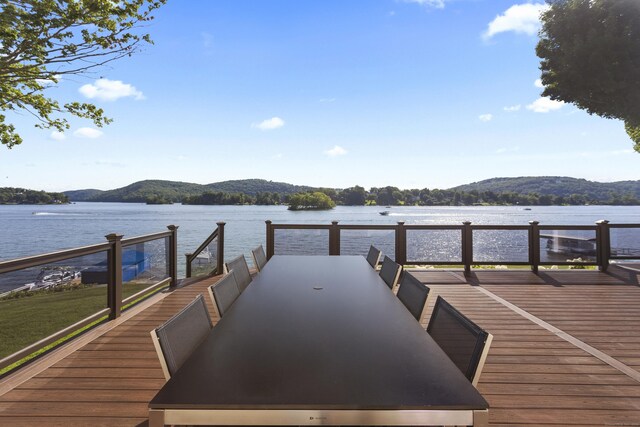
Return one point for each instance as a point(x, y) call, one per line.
point(570, 245)
point(203, 258)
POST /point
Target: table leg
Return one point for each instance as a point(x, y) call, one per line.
point(156, 418)
point(481, 418)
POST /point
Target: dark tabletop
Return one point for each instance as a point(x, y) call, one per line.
point(350, 344)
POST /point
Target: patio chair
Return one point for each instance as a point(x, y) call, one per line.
point(390, 272)
point(373, 257)
point(176, 338)
point(259, 258)
point(463, 341)
point(224, 293)
point(241, 271)
point(413, 294)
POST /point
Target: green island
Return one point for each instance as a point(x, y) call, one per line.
point(310, 201)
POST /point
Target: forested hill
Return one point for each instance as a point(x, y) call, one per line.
point(176, 191)
point(252, 187)
point(82, 195)
point(555, 186)
point(142, 191)
point(496, 191)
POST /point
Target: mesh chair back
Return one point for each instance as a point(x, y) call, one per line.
point(413, 295)
point(390, 272)
point(183, 333)
point(463, 341)
point(373, 257)
point(259, 257)
point(224, 293)
point(241, 270)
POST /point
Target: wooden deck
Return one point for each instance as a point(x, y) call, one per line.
point(566, 351)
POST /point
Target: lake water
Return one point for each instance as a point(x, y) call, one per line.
point(31, 230)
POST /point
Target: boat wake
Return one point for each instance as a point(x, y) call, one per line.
point(54, 214)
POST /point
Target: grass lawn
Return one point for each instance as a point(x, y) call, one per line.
point(28, 319)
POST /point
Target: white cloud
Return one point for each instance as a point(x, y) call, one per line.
point(110, 90)
point(519, 18)
point(620, 152)
point(109, 163)
point(507, 150)
point(336, 151)
point(485, 117)
point(51, 81)
point(512, 108)
point(545, 105)
point(438, 4)
point(269, 124)
point(538, 83)
point(88, 133)
point(277, 156)
point(58, 136)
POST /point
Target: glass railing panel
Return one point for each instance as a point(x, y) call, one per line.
point(434, 246)
point(497, 246)
point(144, 265)
point(625, 242)
point(39, 301)
point(301, 242)
point(357, 242)
point(563, 246)
point(206, 262)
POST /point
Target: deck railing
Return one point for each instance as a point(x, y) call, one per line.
point(465, 244)
point(38, 309)
point(208, 259)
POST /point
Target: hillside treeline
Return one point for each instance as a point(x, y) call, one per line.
point(393, 196)
point(23, 196)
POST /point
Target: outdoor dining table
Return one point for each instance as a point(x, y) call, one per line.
point(318, 340)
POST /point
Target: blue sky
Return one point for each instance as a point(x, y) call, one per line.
point(429, 93)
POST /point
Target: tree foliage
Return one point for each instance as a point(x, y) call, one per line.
point(353, 196)
point(23, 196)
point(310, 201)
point(218, 198)
point(549, 190)
point(590, 57)
point(42, 41)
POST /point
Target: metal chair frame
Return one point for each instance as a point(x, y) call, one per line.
point(212, 291)
point(155, 338)
point(483, 338)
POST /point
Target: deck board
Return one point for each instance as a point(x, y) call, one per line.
point(532, 376)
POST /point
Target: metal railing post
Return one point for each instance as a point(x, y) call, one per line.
point(334, 239)
point(603, 244)
point(172, 255)
point(467, 246)
point(114, 275)
point(401, 243)
point(220, 248)
point(270, 237)
point(534, 245)
point(187, 263)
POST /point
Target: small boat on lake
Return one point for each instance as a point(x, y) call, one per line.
point(384, 213)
